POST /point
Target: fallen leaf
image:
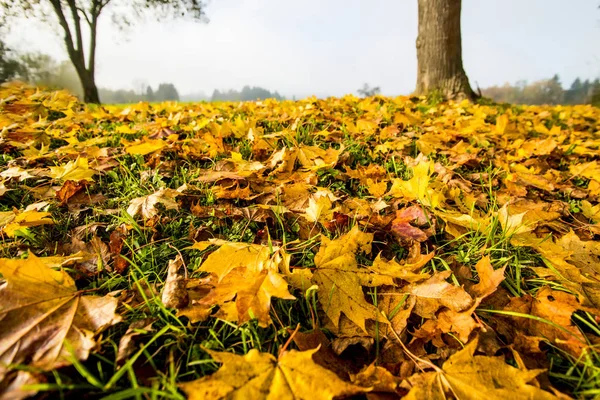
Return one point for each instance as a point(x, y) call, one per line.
point(127, 343)
point(340, 279)
point(412, 223)
point(70, 189)
point(467, 376)
point(42, 310)
point(14, 222)
point(435, 292)
point(146, 205)
point(146, 147)
point(261, 376)
point(247, 277)
point(174, 294)
point(77, 170)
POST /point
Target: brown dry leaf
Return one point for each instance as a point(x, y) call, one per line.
point(435, 293)
point(146, 205)
point(554, 306)
point(412, 223)
point(115, 245)
point(127, 343)
point(461, 323)
point(378, 378)
point(324, 356)
point(467, 376)
point(261, 376)
point(96, 254)
point(69, 189)
point(174, 294)
point(41, 311)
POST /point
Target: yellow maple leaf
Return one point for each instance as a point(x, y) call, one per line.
point(340, 279)
point(247, 278)
point(125, 129)
point(11, 223)
point(319, 209)
point(417, 187)
point(471, 377)
point(501, 123)
point(146, 147)
point(77, 170)
point(260, 376)
point(512, 224)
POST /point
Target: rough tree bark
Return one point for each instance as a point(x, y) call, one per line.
point(86, 72)
point(439, 50)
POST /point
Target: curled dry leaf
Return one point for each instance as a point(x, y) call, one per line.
point(69, 189)
point(174, 294)
point(435, 292)
point(324, 356)
point(96, 254)
point(378, 378)
point(146, 205)
point(115, 245)
point(127, 343)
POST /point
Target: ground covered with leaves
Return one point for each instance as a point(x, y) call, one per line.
point(370, 248)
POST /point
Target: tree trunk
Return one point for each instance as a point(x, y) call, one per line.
point(439, 50)
point(90, 91)
point(88, 82)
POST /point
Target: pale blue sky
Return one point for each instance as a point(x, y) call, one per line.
point(331, 47)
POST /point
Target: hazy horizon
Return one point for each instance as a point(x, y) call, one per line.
point(332, 48)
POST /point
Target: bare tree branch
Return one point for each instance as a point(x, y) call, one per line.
point(76, 22)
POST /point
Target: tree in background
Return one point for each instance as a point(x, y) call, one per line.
point(165, 92)
point(545, 91)
point(439, 50)
point(368, 91)
point(595, 93)
point(77, 16)
point(10, 66)
point(247, 94)
point(149, 93)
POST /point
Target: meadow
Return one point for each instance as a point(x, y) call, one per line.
point(372, 247)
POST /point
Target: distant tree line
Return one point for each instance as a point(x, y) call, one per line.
point(164, 92)
point(41, 69)
point(546, 91)
point(247, 94)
